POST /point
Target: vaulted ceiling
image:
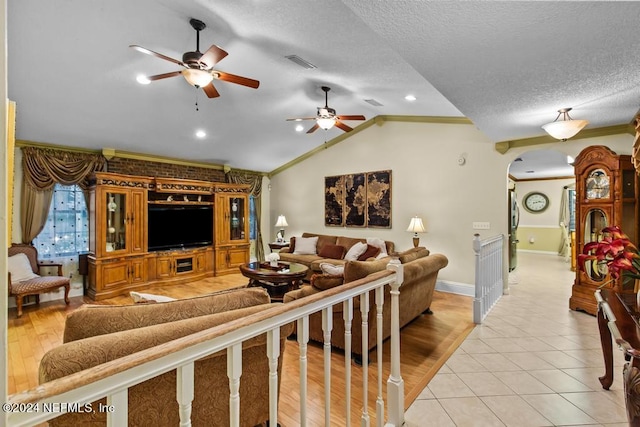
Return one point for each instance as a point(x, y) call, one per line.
point(507, 66)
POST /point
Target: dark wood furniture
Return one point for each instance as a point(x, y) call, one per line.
point(37, 285)
point(618, 320)
point(277, 245)
point(606, 194)
point(231, 231)
point(279, 280)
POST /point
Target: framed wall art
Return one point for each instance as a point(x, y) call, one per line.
point(379, 199)
point(333, 201)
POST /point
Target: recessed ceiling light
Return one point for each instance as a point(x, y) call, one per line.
point(200, 133)
point(299, 128)
point(410, 98)
point(142, 79)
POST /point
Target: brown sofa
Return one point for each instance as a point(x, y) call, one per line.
point(96, 334)
point(416, 293)
point(324, 241)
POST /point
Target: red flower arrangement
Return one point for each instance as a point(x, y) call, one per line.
point(616, 251)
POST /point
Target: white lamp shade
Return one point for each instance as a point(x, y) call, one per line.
point(564, 129)
point(326, 123)
point(416, 225)
point(197, 78)
point(282, 221)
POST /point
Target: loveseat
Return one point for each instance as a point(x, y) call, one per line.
point(332, 249)
point(416, 293)
point(95, 334)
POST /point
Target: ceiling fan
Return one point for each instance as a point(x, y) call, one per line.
point(327, 118)
point(198, 66)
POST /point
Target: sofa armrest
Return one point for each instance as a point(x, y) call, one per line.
point(93, 320)
point(89, 352)
point(422, 267)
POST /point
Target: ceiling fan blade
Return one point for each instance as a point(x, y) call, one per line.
point(164, 76)
point(156, 54)
point(313, 129)
point(357, 117)
point(232, 78)
point(211, 91)
point(342, 126)
point(213, 55)
point(301, 118)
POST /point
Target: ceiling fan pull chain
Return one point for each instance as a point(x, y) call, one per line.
point(197, 109)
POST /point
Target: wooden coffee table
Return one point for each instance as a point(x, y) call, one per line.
point(276, 280)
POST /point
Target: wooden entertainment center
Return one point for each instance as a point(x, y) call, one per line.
point(147, 231)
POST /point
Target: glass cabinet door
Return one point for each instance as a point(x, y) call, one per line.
point(116, 229)
point(237, 211)
point(594, 222)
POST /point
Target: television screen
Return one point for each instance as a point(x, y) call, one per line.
point(179, 226)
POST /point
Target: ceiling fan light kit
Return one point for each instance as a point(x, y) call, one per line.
point(326, 117)
point(198, 67)
point(565, 128)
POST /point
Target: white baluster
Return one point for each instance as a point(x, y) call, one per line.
point(327, 326)
point(395, 383)
point(303, 339)
point(120, 415)
point(234, 371)
point(364, 315)
point(273, 353)
point(184, 392)
point(347, 315)
point(379, 330)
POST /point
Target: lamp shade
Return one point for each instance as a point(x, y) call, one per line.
point(416, 225)
point(282, 221)
point(326, 123)
point(565, 128)
point(196, 77)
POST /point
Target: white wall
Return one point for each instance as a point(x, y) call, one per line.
point(427, 181)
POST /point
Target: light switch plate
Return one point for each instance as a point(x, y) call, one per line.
point(481, 225)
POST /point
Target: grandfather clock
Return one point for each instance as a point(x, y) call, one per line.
point(606, 194)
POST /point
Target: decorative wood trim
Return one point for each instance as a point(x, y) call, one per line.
point(170, 185)
point(117, 180)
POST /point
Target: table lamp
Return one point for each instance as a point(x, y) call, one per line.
point(282, 222)
point(416, 226)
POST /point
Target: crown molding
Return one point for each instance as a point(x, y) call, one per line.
point(504, 146)
point(27, 143)
point(377, 120)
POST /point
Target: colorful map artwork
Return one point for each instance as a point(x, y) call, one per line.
point(379, 199)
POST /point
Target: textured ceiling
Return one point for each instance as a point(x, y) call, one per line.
point(507, 66)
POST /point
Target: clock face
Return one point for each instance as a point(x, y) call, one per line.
point(597, 185)
point(536, 202)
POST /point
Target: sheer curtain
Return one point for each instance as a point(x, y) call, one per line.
point(564, 220)
point(42, 169)
point(255, 181)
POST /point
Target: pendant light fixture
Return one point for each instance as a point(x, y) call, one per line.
point(565, 128)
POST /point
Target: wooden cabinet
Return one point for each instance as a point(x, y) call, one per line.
point(231, 229)
point(606, 195)
point(125, 212)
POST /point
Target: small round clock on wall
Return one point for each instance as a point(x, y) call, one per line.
point(536, 202)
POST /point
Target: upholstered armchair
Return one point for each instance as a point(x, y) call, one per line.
point(26, 280)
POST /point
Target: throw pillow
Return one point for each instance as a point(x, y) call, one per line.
point(326, 281)
point(379, 243)
point(20, 268)
point(332, 251)
point(306, 245)
point(371, 252)
point(355, 251)
point(413, 254)
point(139, 298)
point(333, 270)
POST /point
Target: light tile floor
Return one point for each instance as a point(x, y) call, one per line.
point(532, 362)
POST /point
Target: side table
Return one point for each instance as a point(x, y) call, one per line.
point(619, 320)
point(278, 245)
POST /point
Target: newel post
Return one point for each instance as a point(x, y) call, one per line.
point(395, 383)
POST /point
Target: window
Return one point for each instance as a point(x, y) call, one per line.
point(66, 231)
point(253, 223)
point(572, 210)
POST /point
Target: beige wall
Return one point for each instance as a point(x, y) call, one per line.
point(427, 181)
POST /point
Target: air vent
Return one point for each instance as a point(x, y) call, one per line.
point(373, 102)
point(301, 62)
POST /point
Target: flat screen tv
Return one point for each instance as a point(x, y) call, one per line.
point(179, 226)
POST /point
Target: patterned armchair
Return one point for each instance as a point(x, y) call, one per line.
point(31, 283)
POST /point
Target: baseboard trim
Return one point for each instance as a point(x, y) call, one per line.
point(455, 288)
point(529, 251)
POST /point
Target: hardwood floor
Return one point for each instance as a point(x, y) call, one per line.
point(426, 343)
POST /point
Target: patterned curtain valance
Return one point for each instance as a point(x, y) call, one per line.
point(252, 179)
point(45, 167)
point(635, 157)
